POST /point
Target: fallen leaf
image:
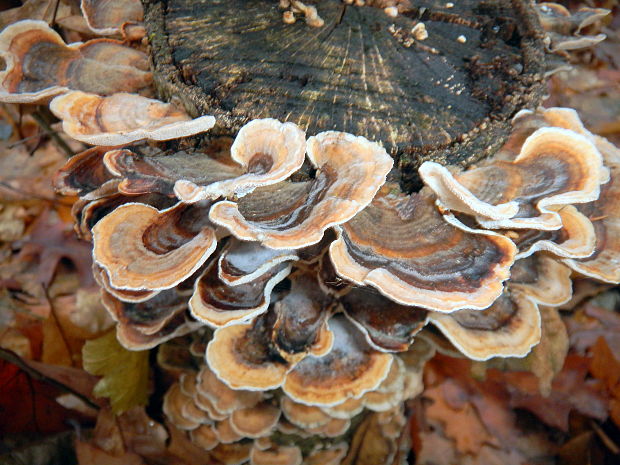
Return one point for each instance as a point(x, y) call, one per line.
point(29, 406)
point(125, 374)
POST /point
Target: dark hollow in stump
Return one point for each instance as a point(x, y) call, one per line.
point(447, 98)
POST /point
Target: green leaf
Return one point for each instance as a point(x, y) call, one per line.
point(125, 374)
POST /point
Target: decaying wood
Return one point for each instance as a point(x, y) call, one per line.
point(448, 97)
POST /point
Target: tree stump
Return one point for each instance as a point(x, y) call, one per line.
point(448, 97)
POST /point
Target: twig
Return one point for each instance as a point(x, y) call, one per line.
point(15, 359)
point(40, 118)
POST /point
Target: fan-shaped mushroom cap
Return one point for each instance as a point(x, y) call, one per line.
point(332, 429)
point(563, 28)
point(145, 172)
point(242, 262)
point(268, 151)
point(332, 455)
point(101, 277)
point(123, 118)
point(604, 213)
point(95, 205)
point(405, 248)
point(388, 326)
point(172, 408)
point(106, 17)
point(508, 328)
point(543, 279)
point(276, 455)
point(240, 356)
point(40, 65)
point(555, 167)
point(83, 173)
point(303, 416)
point(350, 171)
point(191, 410)
point(232, 454)
point(390, 392)
point(300, 315)
point(217, 304)
point(204, 437)
point(576, 238)
point(141, 247)
point(132, 339)
point(225, 432)
point(376, 438)
point(255, 422)
point(224, 399)
point(148, 317)
point(350, 369)
point(347, 410)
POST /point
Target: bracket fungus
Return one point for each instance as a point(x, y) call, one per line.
point(350, 171)
point(141, 247)
point(110, 17)
point(122, 118)
point(303, 271)
point(40, 65)
point(404, 247)
point(555, 167)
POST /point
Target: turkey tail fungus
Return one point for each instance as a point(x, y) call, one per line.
point(327, 179)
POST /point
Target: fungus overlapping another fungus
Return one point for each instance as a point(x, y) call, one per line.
point(604, 263)
point(39, 65)
point(267, 152)
point(217, 304)
point(555, 167)
point(404, 247)
point(322, 288)
point(564, 29)
point(508, 328)
point(123, 118)
point(141, 247)
point(350, 171)
point(350, 369)
point(108, 17)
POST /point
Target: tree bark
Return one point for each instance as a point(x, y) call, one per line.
point(447, 98)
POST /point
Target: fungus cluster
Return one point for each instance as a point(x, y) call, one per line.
point(304, 272)
point(315, 275)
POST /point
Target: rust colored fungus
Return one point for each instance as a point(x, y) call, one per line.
point(604, 263)
point(242, 262)
point(301, 318)
point(39, 65)
point(141, 247)
point(123, 118)
point(564, 29)
point(241, 357)
point(543, 279)
point(404, 247)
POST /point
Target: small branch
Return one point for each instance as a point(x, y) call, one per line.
point(15, 359)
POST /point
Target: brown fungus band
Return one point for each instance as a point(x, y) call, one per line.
point(350, 171)
point(555, 167)
point(141, 247)
point(39, 65)
point(123, 118)
point(404, 247)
